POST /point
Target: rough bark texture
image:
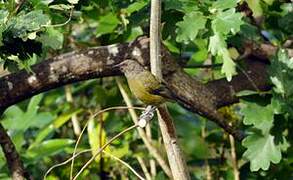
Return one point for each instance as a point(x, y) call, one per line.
point(97, 62)
point(12, 158)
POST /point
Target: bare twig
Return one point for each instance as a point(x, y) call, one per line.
point(74, 120)
point(102, 148)
point(151, 148)
point(203, 66)
point(85, 126)
point(176, 161)
point(65, 162)
point(234, 158)
point(124, 163)
point(152, 161)
point(13, 160)
point(62, 24)
point(207, 166)
point(175, 157)
point(144, 168)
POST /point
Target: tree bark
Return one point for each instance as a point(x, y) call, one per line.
point(90, 63)
point(13, 160)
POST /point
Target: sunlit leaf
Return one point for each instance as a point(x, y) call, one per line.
point(48, 148)
point(188, 28)
point(261, 151)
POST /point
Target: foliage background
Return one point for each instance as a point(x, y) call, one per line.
point(199, 30)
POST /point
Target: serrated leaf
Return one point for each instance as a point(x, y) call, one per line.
point(260, 117)
point(228, 67)
point(261, 151)
point(218, 47)
point(227, 21)
point(224, 4)
point(23, 24)
point(107, 24)
point(188, 28)
point(217, 43)
point(52, 38)
point(281, 75)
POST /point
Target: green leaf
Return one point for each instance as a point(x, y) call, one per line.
point(286, 22)
point(261, 150)
point(228, 67)
point(185, 6)
point(73, 1)
point(62, 119)
point(48, 148)
point(218, 46)
point(223, 4)
point(281, 75)
point(188, 28)
point(269, 2)
point(107, 24)
point(227, 21)
point(3, 16)
point(260, 117)
point(255, 7)
point(16, 119)
point(97, 137)
point(136, 6)
point(22, 25)
point(52, 38)
point(33, 105)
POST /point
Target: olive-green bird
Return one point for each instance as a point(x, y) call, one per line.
point(143, 84)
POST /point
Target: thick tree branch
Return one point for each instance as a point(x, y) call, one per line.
point(225, 92)
point(97, 62)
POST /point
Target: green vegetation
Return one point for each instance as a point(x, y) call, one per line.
point(41, 128)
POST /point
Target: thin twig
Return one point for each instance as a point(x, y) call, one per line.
point(144, 168)
point(152, 161)
point(84, 128)
point(208, 168)
point(155, 39)
point(62, 24)
point(151, 148)
point(74, 120)
point(175, 156)
point(124, 163)
point(176, 160)
point(65, 162)
point(102, 148)
point(202, 66)
point(234, 158)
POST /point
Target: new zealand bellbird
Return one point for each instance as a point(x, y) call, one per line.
point(143, 84)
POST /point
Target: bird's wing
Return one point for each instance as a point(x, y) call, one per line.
point(163, 91)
